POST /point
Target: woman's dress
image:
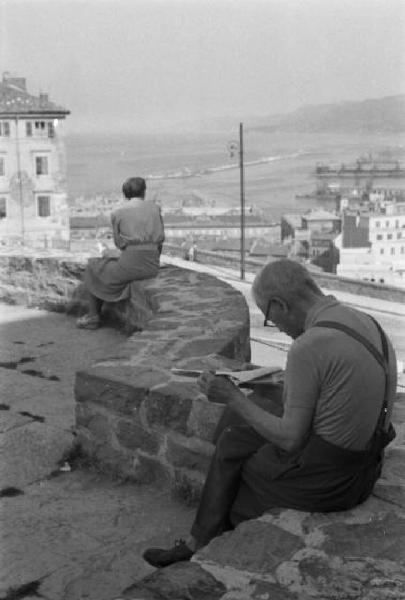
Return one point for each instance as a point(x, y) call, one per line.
point(138, 232)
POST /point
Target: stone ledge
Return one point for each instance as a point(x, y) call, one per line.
point(357, 554)
point(135, 418)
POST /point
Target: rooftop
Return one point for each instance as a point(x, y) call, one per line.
point(15, 100)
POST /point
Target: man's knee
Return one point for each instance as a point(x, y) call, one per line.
point(238, 441)
point(226, 440)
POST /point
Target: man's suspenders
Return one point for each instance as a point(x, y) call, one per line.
point(381, 358)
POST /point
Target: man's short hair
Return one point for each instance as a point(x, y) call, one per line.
point(134, 187)
point(284, 279)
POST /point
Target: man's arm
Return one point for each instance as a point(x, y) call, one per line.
point(288, 432)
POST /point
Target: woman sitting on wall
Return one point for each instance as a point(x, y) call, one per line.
point(138, 235)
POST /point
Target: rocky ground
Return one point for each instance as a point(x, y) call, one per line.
point(65, 534)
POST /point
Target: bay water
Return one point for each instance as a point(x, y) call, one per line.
point(182, 166)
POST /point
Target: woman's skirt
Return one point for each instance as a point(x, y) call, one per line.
point(109, 278)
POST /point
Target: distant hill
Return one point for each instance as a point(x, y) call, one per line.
point(368, 116)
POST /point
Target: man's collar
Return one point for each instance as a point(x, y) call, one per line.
point(317, 308)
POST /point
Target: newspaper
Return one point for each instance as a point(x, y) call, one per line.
point(260, 375)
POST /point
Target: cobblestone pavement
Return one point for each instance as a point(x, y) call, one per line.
point(64, 535)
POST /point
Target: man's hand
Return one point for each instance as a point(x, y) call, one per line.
point(218, 388)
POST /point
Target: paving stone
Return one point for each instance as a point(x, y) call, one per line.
point(31, 452)
point(12, 420)
point(47, 546)
point(182, 581)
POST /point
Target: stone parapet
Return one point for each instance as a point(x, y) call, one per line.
point(135, 419)
point(325, 280)
point(138, 420)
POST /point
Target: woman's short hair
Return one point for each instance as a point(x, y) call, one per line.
point(134, 187)
point(286, 279)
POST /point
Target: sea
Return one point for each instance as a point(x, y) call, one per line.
point(180, 167)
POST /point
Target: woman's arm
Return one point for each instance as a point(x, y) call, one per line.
point(115, 230)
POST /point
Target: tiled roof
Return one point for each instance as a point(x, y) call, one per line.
point(293, 220)
point(15, 101)
point(263, 248)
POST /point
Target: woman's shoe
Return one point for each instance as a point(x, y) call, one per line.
point(88, 322)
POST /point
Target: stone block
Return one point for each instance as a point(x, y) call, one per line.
point(131, 434)
point(190, 453)
point(119, 388)
point(100, 427)
point(254, 546)
point(168, 406)
point(378, 538)
point(204, 418)
point(146, 469)
point(187, 485)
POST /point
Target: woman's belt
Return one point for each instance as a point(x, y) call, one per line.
point(143, 245)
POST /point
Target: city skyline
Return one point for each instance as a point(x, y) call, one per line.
point(161, 64)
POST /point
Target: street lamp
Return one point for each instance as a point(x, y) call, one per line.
point(234, 147)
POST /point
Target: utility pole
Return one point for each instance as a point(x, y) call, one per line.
point(233, 147)
point(242, 203)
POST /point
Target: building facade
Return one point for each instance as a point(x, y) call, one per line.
point(372, 245)
point(33, 195)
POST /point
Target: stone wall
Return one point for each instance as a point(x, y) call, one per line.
point(138, 420)
point(324, 280)
point(135, 418)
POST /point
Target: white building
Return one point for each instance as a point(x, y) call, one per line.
point(33, 201)
point(372, 245)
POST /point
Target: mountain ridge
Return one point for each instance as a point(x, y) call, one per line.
point(372, 115)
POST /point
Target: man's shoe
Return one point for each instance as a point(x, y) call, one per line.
point(158, 557)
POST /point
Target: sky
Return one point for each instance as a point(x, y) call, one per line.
point(150, 64)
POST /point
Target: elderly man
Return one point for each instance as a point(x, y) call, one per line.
point(324, 451)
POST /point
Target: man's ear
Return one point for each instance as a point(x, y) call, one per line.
point(280, 303)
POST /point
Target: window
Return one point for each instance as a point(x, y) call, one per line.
point(392, 250)
point(389, 236)
point(2, 166)
point(402, 250)
point(381, 250)
point(399, 235)
point(51, 129)
point(379, 236)
point(377, 223)
point(387, 223)
point(44, 206)
point(5, 128)
point(3, 208)
point(40, 126)
point(41, 165)
point(396, 224)
point(28, 128)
